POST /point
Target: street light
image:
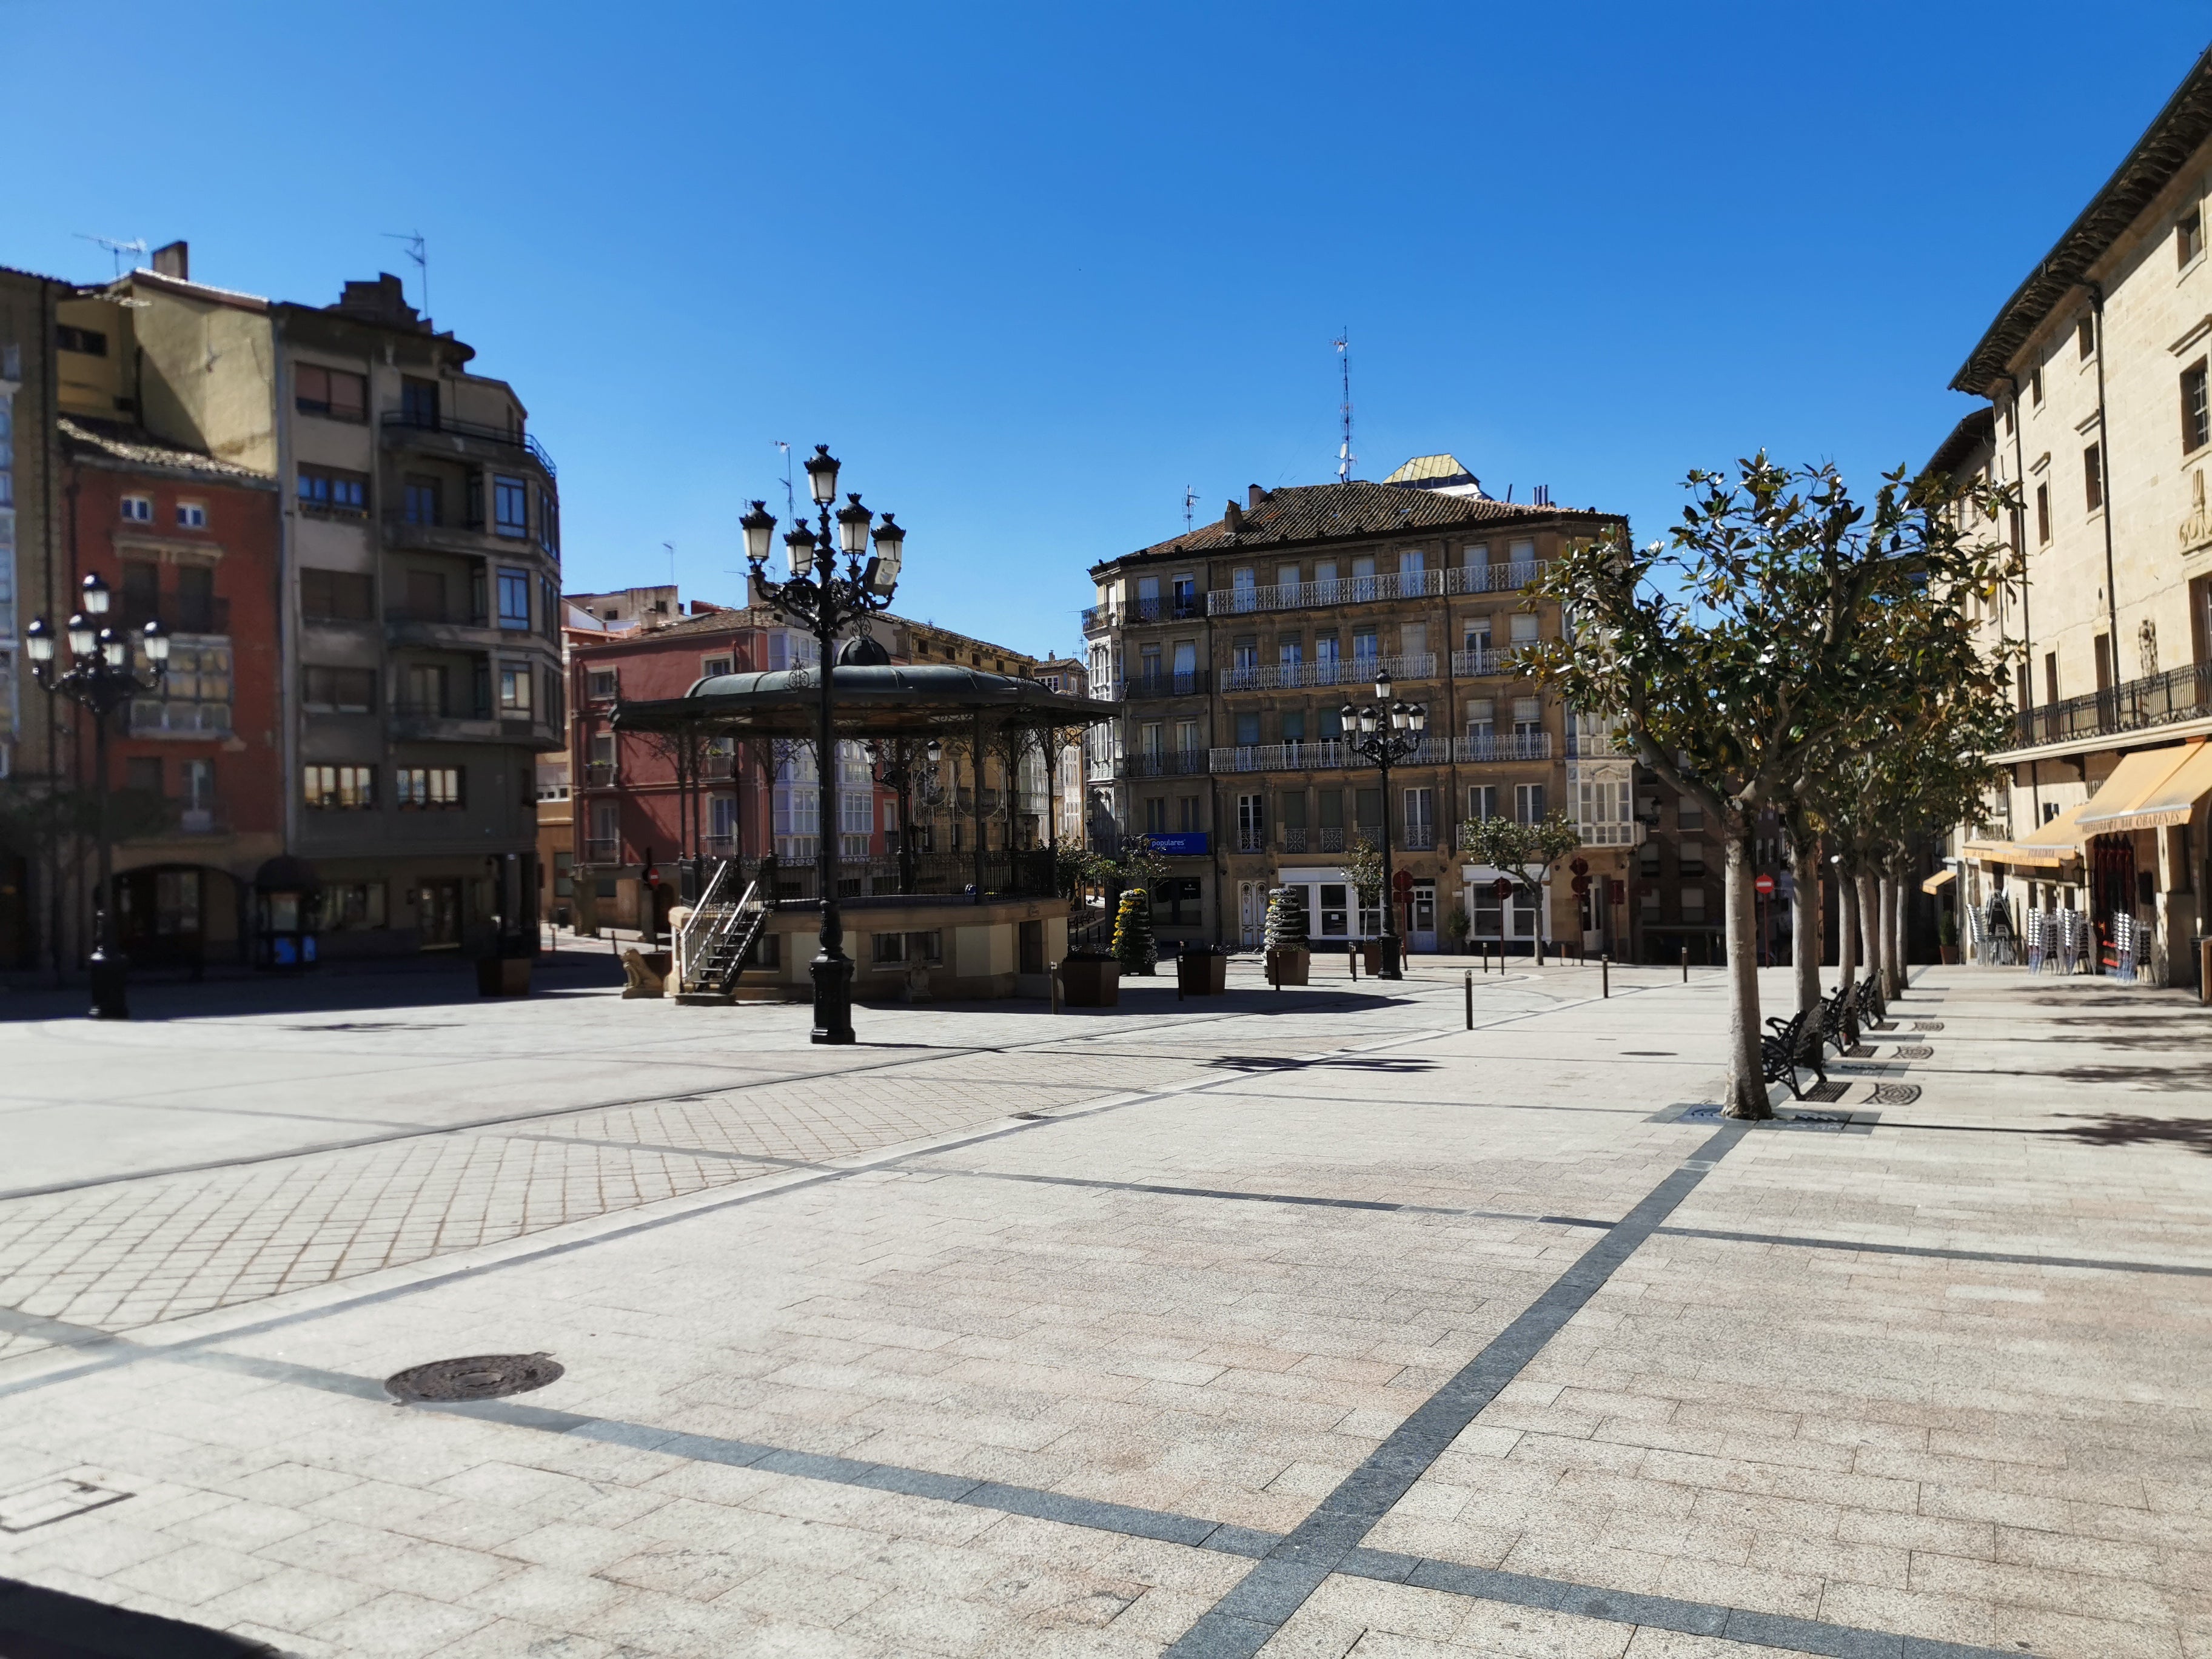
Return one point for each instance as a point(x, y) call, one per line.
point(1385, 733)
point(825, 601)
point(99, 679)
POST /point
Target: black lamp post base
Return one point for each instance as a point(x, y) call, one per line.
point(110, 977)
point(833, 999)
point(1390, 967)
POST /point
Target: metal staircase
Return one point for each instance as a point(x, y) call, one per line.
point(719, 934)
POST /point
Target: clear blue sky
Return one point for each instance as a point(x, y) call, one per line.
point(1031, 270)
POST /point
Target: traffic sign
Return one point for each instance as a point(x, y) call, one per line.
point(1581, 867)
point(1581, 885)
point(1764, 884)
point(1503, 887)
point(1402, 879)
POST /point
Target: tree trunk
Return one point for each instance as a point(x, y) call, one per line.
point(1870, 922)
point(1847, 930)
point(1747, 1091)
point(1805, 925)
point(1886, 903)
point(1899, 902)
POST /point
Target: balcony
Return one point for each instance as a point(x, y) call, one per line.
point(447, 625)
point(1613, 833)
point(1597, 745)
point(420, 429)
point(1323, 755)
point(1334, 671)
point(1480, 662)
point(1300, 839)
point(1373, 590)
point(2178, 693)
point(1419, 838)
point(1163, 763)
point(1502, 746)
point(1172, 608)
point(600, 774)
point(598, 851)
point(1190, 684)
point(415, 720)
point(181, 617)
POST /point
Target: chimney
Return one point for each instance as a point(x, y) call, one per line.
point(174, 260)
point(1253, 497)
point(1232, 519)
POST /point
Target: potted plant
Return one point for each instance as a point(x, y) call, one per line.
point(1134, 948)
point(1090, 979)
point(1288, 958)
point(1946, 937)
point(1201, 970)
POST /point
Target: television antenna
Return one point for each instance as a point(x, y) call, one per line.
point(790, 500)
point(135, 245)
point(1345, 458)
point(671, 546)
point(418, 249)
point(1189, 505)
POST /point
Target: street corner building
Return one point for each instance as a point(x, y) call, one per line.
point(2098, 412)
point(1232, 650)
point(353, 543)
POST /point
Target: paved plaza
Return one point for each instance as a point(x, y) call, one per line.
point(1302, 1323)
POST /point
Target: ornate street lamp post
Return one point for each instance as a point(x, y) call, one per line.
point(907, 770)
point(825, 602)
point(101, 679)
point(1385, 733)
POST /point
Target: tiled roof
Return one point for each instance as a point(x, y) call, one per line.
point(736, 619)
point(129, 446)
point(1334, 512)
point(2173, 135)
point(1978, 428)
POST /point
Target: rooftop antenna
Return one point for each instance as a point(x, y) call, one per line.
point(1189, 505)
point(790, 500)
point(671, 546)
point(1344, 455)
point(135, 245)
point(418, 250)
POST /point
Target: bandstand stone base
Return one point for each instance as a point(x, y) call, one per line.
point(934, 947)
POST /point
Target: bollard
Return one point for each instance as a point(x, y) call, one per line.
point(1605, 973)
point(1470, 998)
point(1685, 964)
point(1052, 979)
point(1352, 960)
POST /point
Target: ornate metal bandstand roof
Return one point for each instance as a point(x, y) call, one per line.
point(873, 701)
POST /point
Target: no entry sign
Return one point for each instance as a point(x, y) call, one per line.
point(1765, 885)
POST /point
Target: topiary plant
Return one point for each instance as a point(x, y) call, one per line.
point(1286, 918)
point(1134, 945)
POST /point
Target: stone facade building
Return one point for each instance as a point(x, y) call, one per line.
point(1231, 649)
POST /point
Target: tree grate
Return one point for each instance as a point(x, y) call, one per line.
point(1896, 1094)
point(481, 1377)
point(1927, 1024)
point(1914, 1051)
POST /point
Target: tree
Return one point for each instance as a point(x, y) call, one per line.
point(1732, 657)
point(1523, 853)
point(1363, 867)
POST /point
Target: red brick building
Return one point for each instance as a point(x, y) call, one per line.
point(195, 541)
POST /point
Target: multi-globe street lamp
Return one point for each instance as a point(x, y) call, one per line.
point(100, 678)
point(1385, 733)
point(825, 602)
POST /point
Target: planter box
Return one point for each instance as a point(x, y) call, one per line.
point(1288, 966)
point(1091, 984)
point(1201, 973)
point(1370, 957)
point(1949, 953)
point(503, 976)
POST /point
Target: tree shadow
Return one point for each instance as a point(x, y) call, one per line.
point(2162, 1079)
point(2129, 1129)
point(1276, 1063)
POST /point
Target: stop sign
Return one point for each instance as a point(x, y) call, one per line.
point(1765, 885)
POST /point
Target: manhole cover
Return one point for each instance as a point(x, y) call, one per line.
point(481, 1376)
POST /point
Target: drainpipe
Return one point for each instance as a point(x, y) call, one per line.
point(50, 451)
point(2019, 519)
point(2105, 484)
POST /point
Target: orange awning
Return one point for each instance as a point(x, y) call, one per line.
point(2135, 779)
point(2047, 848)
point(2172, 800)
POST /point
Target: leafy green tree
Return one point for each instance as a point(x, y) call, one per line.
point(1363, 867)
point(1523, 852)
point(1732, 657)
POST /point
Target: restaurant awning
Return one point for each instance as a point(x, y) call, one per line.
point(1936, 882)
point(2047, 848)
point(2171, 800)
point(2135, 779)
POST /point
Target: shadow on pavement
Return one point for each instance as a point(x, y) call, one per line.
point(44, 1623)
point(2123, 1129)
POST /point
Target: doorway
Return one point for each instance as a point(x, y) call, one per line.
point(1421, 917)
point(2111, 891)
point(158, 917)
point(1251, 911)
point(441, 900)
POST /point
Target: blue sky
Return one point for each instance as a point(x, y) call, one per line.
point(1033, 271)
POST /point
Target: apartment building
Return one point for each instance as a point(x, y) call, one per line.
point(1232, 648)
point(640, 801)
point(2095, 374)
point(420, 550)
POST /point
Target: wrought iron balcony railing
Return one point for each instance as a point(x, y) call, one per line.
point(2178, 693)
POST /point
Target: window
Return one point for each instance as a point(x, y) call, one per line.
point(2093, 477)
point(515, 691)
point(2085, 337)
point(1248, 731)
point(418, 401)
point(1482, 801)
point(195, 611)
point(2050, 676)
point(191, 515)
point(422, 500)
point(348, 905)
point(1529, 803)
point(1156, 818)
point(1693, 904)
point(1251, 824)
point(340, 788)
point(2189, 237)
point(142, 590)
point(90, 341)
point(549, 523)
point(1244, 653)
point(336, 691)
point(335, 596)
point(2035, 388)
point(711, 667)
point(426, 788)
point(142, 775)
point(1527, 716)
point(1482, 718)
point(602, 683)
point(2196, 409)
point(1294, 726)
point(2043, 512)
point(514, 599)
point(1420, 819)
point(1689, 816)
point(331, 391)
point(1186, 596)
point(193, 696)
point(137, 509)
point(510, 500)
point(1524, 626)
point(326, 489)
point(1691, 859)
point(1365, 649)
point(1187, 813)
